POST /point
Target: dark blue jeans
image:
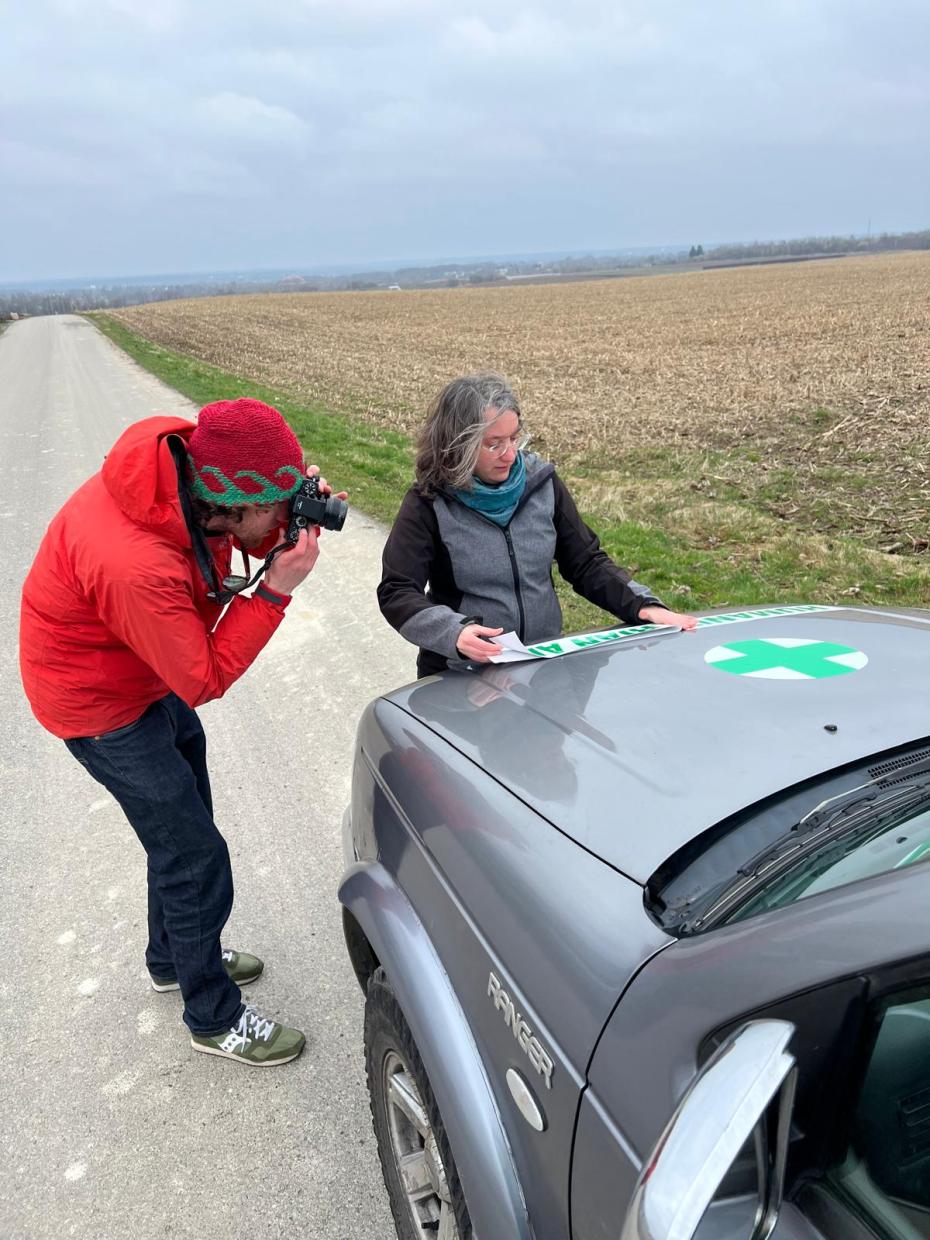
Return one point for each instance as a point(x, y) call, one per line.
point(156, 769)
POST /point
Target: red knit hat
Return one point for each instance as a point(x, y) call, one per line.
point(243, 452)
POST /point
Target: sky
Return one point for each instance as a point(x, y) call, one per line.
point(143, 136)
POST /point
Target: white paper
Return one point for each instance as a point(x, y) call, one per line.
point(513, 651)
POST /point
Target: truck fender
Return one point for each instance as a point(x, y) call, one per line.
point(443, 1037)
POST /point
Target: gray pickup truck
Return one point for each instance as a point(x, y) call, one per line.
point(644, 934)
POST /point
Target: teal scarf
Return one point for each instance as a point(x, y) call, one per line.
point(497, 503)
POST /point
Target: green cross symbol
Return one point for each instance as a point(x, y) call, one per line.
point(786, 659)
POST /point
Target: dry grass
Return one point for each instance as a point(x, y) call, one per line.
point(802, 391)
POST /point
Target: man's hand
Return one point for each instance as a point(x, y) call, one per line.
point(289, 568)
point(325, 488)
point(662, 615)
point(472, 645)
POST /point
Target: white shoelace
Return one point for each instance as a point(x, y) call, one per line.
point(251, 1025)
point(260, 1025)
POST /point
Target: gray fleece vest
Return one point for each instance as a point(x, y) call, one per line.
point(505, 575)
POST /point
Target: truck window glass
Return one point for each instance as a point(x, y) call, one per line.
point(876, 850)
point(886, 1173)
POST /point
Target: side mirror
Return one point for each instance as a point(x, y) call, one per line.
point(716, 1117)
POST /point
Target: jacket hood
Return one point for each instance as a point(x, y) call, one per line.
point(140, 474)
point(536, 465)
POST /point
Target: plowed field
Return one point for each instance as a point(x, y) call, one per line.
point(801, 389)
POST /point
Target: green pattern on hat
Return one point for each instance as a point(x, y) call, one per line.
point(232, 495)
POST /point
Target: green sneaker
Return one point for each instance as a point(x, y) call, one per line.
point(241, 967)
point(255, 1040)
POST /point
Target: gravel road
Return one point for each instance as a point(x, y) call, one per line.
point(114, 1126)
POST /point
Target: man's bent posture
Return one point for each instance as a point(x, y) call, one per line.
point(119, 642)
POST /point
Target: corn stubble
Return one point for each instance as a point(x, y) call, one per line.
point(800, 389)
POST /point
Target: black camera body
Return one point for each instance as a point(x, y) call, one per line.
point(308, 508)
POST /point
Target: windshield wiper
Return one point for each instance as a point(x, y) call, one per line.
point(852, 797)
point(842, 815)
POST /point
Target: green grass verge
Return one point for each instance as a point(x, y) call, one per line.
point(374, 465)
point(696, 548)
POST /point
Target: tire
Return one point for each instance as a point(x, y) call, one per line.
point(419, 1172)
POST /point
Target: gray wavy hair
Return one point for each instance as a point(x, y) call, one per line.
point(450, 440)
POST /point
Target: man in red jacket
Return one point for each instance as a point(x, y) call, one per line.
point(121, 637)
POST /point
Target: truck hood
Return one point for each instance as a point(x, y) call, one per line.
point(635, 747)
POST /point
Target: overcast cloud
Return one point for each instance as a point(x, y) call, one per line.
point(200, 135)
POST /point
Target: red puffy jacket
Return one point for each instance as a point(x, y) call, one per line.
point(115, 611)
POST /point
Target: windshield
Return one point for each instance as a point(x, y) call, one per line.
point(867, 818)
point(874, 849)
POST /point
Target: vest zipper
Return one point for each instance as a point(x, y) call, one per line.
point(537, 482)
point(516, 580)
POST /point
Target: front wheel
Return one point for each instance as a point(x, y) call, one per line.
point(419, 1172)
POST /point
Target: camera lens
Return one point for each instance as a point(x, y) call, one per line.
point(334, 514)
point(308, 507)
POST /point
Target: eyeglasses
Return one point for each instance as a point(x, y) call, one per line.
point(496, 447)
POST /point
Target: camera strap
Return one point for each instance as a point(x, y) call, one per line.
point(233, 584)
point(225, 591)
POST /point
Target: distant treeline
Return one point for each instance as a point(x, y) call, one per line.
point(822, 245)
point(102, 297)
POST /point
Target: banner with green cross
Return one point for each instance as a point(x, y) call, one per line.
point(786, 658)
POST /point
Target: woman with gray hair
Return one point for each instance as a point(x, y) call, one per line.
point(470, 554)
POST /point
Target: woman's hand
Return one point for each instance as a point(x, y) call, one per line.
point(472, 645)
point(662, 615)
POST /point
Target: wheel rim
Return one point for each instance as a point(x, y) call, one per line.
point(416, 1154)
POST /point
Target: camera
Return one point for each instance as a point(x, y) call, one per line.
point(308, 508)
